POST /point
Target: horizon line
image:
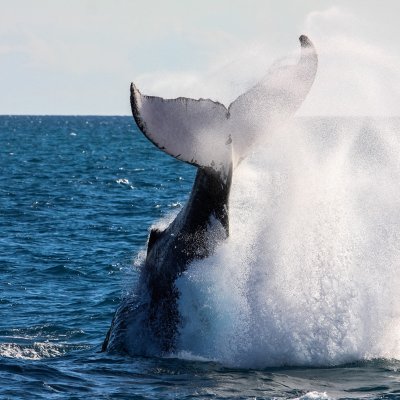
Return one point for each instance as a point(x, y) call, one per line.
point(130, 115)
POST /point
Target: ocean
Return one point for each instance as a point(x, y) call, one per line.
point(284, 310)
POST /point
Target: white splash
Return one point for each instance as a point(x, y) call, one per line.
point(34, 351)
point(310, 273)
point(314, 396)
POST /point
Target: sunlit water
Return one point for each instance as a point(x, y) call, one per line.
point(299, 302)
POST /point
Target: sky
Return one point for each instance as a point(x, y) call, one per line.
point(79, 56)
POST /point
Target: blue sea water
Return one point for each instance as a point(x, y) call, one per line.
point(77, 198)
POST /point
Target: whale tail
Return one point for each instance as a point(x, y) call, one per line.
point(207, 134)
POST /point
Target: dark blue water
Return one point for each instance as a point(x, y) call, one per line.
point(77, 198)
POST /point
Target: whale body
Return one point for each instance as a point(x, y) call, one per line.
point(206, 134)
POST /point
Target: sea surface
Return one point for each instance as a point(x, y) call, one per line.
point(77, 198)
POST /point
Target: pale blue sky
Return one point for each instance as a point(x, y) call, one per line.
point(79, 56)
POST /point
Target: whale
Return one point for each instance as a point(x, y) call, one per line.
point(214, 139)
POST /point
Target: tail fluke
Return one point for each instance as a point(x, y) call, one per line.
point(205, 133)
point(275, 98)
point(187, 129)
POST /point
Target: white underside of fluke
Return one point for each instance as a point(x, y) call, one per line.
point(207, 134)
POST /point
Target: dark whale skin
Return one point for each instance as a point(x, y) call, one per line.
point(147, 323)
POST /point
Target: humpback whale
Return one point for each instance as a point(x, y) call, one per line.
point(213, 138)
